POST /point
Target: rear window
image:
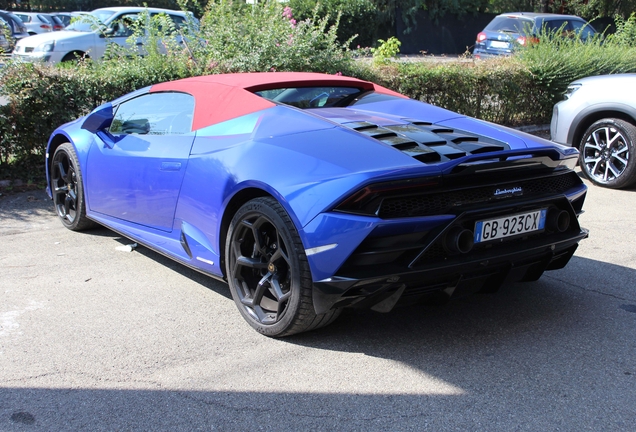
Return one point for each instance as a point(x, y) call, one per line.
point(312, 97)
point(24, 18)
point(509, 24)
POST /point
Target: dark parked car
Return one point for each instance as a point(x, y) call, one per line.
point(506, 31)
point(17, 29)
point(310, 193)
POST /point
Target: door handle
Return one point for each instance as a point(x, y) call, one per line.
point(170, 166)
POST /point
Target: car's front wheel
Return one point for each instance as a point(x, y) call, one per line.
point(68, 190)
point(607, 149)
point(268, 272)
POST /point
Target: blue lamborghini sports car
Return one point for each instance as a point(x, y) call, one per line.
point(309, 193)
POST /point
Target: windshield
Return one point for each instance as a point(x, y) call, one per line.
point(510, 24)
point(87, 22)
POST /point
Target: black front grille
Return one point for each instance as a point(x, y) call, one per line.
point(451, 201)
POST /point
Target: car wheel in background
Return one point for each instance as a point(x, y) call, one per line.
point(607, 150)
point(75, 56)
point(68, 190)
point(268, 272)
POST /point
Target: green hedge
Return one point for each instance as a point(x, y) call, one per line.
point(501, 91)
point(359, 19)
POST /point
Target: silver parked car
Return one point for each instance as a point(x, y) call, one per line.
point(36, 23)
point(598, 116)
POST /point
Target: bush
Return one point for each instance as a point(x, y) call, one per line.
point(238, 37)
point(556, 62)
point(625, 34)
point(499, 90)
point(358, 18)
point(386, 51)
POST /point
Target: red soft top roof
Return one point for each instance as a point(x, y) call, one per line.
point(226, 96)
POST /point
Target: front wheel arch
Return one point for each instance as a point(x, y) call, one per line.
point(55, 142)
point(583, 124)
point(67, 188)
point(75, 56)
point(232, 207)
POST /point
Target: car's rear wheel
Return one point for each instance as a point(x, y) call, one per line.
point(607, 149)
point(68, 190)
point(268, 272)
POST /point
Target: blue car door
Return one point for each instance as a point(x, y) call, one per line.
point(135, 171)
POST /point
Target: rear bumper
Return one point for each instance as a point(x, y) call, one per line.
point(485, 53)
point(462, 274)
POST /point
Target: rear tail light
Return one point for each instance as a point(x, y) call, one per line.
point(481, 37)
point(525, 40)
point(45, 27)
point(367, 201)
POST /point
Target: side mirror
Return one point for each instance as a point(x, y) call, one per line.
point(107, 32)
point(99, 119)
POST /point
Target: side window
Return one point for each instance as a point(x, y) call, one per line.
point(168, 113)
point(123, 25)
point(178, 21)
point(554, 25)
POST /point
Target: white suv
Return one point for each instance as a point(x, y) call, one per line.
point(83, 38)
point(598, 116)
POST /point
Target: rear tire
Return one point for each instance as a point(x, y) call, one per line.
point(268, 272)
point(607, 152)
point(68, 190)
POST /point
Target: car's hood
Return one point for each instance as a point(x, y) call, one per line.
point(613, 80)
point(58, 36)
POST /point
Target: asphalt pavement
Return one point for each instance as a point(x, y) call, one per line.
point(96, 338)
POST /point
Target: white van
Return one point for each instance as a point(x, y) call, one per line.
point(89, 36)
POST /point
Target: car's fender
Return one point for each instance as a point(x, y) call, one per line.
point(595, 112)
point(70, 132)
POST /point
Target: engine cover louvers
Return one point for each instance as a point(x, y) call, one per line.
point(429, 143)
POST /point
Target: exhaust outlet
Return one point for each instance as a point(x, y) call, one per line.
point(559, 220)
point(459, 240)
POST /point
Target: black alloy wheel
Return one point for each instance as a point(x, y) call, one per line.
point(607, 150)
point(268, 272)
point(68, 190)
